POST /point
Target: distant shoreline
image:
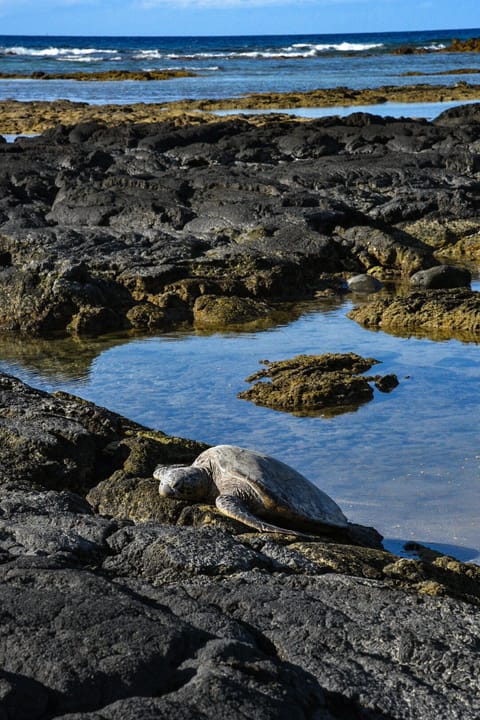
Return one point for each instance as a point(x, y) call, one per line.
point(37, 116)
point(104, 76)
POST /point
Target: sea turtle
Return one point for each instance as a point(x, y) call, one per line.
point(252, 488)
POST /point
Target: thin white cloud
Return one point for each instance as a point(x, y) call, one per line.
point(150, 4)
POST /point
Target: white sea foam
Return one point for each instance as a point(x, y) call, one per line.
point(55, 52)
point(212, 68)
point(85, 59)
point(339, 47)
point(148, 55)
point(299, 50)
point(174, 68)
point(433, 46)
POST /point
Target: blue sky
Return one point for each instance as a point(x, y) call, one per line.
point(231, 17)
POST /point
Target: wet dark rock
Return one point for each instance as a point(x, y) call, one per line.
point(441, 276)
point(59, 525)
point(386, 383)
point(364, 284)
point(105, 228)
point(62, 442)
point(315, 384)
point(169, 611)
point(214, 311)
point(459, 115)
point(439, 314)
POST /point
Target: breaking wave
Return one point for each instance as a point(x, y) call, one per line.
point(336, 47)
point(433, 46)
point(298, 50)
point(56, 52)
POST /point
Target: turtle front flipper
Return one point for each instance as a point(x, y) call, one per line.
point(237, 509)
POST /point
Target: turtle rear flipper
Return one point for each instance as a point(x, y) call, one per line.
point(237, 509)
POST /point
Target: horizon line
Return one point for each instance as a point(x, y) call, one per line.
point(229, 35)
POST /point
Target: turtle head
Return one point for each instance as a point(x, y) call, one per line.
point(183, 482)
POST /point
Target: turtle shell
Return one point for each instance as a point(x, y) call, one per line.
point(279, 488)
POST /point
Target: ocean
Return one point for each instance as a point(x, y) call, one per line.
point(229, 66)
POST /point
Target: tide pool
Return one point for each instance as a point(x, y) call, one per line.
point(407, 463)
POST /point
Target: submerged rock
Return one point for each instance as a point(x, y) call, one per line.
point(440, 314)
point(316, 384)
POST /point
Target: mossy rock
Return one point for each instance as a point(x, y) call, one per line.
point(315, 384)
point(223, 311)
point(105, 76)
point(439, 314)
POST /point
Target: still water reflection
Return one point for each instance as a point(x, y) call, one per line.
point(407, 462)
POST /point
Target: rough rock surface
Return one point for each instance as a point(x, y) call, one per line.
point(157, 615)
point(102, 76)
point(107, 228)
point(363, 283)
point(440, 314)
point(441, 277)
point(316, 384)
point(62, 442)
point(36, 116)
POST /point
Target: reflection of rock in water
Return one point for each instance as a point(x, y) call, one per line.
point(70, 358)
point(436, 314)
point(327, 384)
point(62, 359)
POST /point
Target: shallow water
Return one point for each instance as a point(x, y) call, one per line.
point(407, 462)
point(426, 110)
point(229, 66)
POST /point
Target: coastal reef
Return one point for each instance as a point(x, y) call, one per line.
point(150, 226)
point(327, 384)
point(39, 115)
point(440, 314)
point(456, 46)
point(130, 605)
point(104, 76)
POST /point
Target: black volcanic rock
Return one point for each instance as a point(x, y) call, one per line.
point(174, 611)
point(96, 222)
point(441, 277)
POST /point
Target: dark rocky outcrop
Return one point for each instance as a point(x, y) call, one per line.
point(132, 227)
point(39, 115)
point(439, 314)
point(316, 384)
point(441, 277)
point(136, 606)
point(102, 76)
point(365, 284)
point(62, 442)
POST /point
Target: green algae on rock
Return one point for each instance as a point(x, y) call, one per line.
point(37, 116)
point(151, 225)
point(439, 314)
point(453, 238)
point(457, 45)
point(214, 311)
point(137, 499)
point(104, 76)
point(327, 384)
